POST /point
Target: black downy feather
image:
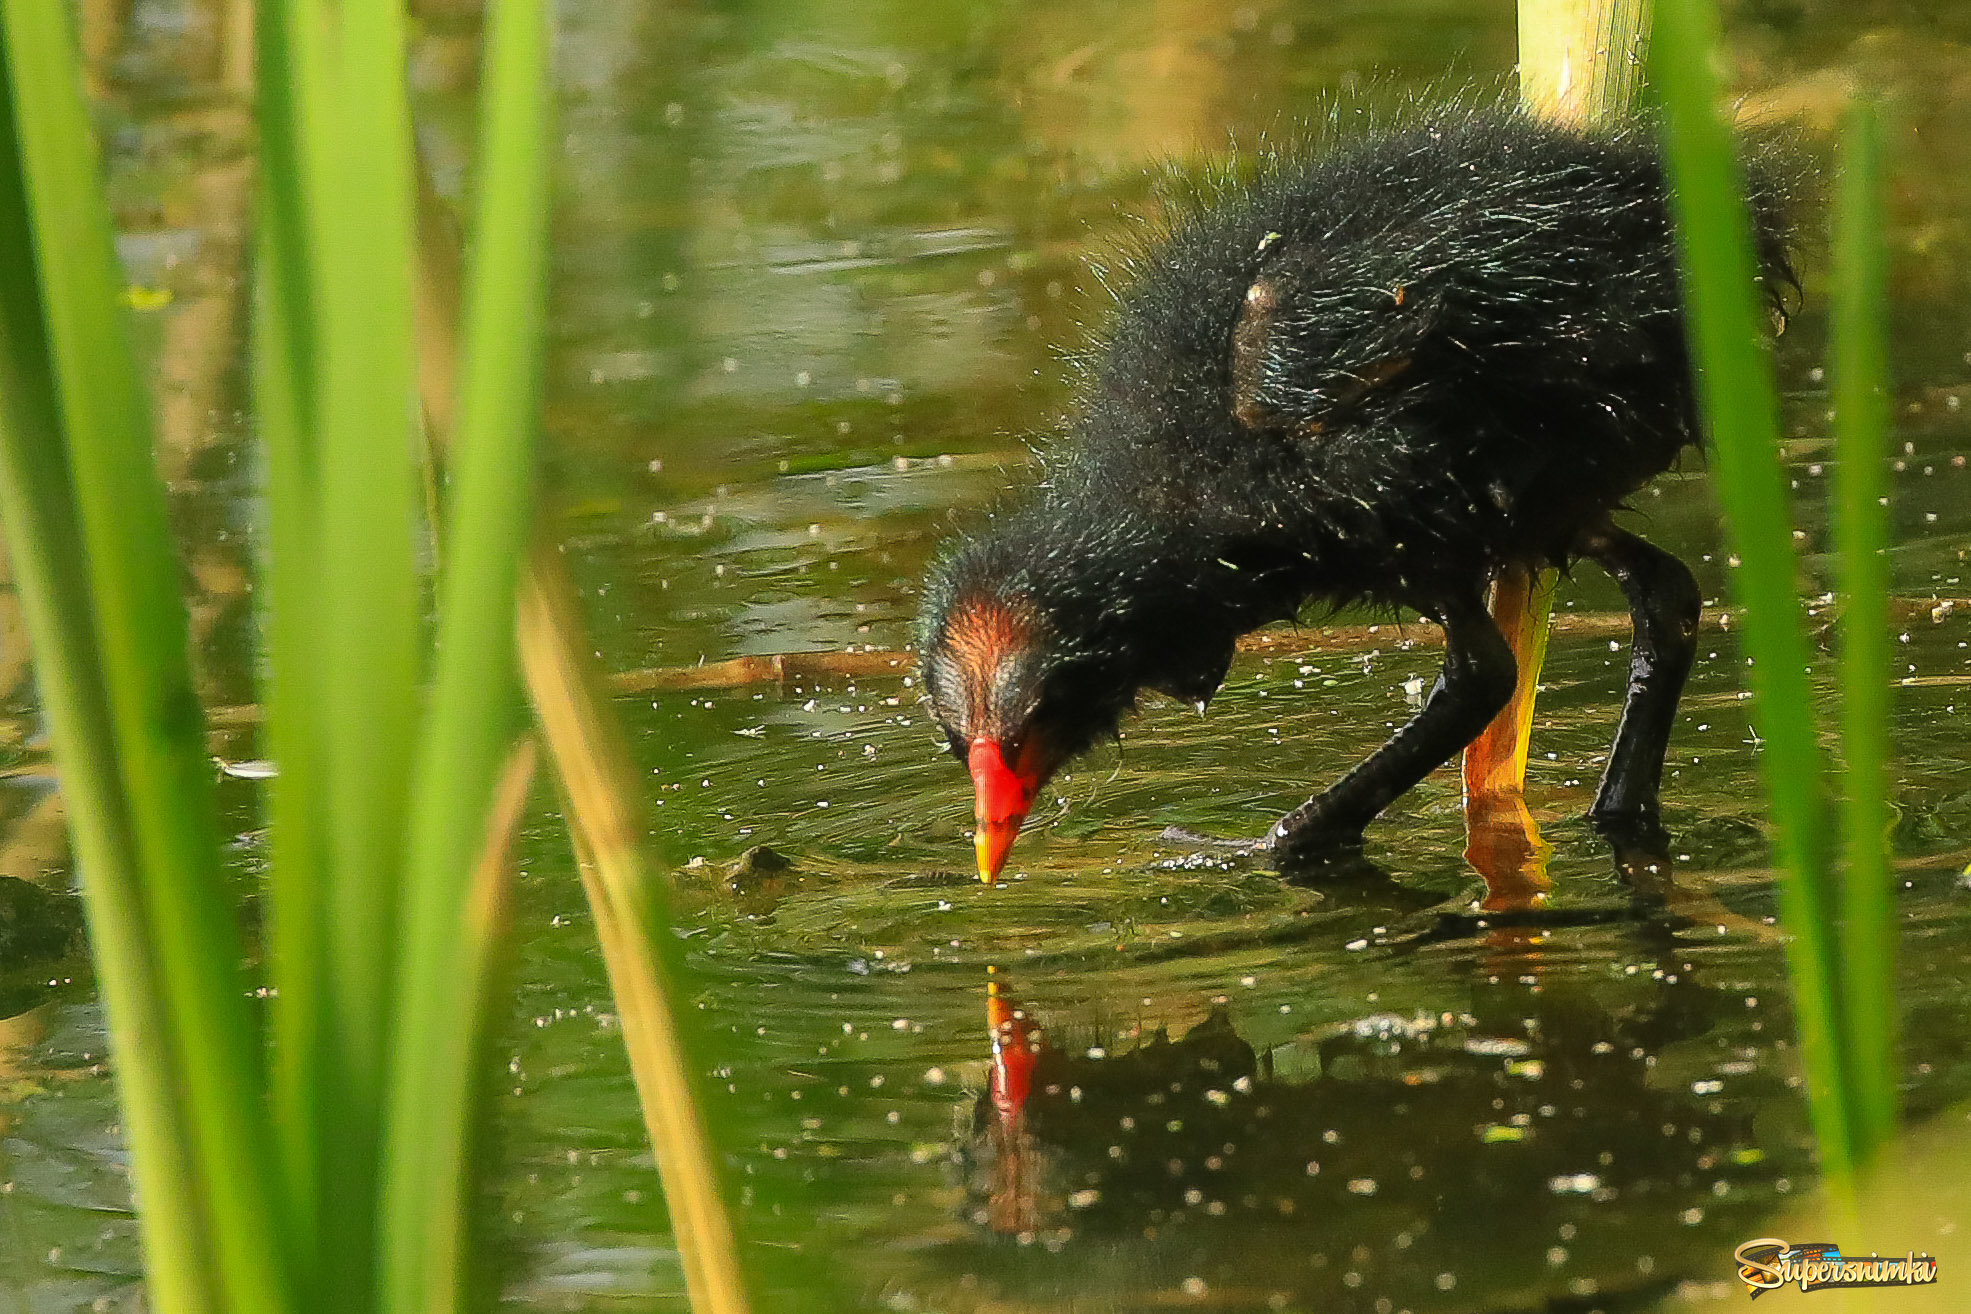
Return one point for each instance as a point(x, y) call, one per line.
point(1369, 375)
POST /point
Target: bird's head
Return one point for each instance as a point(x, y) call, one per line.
point(1001, 688)
point(1037, 637)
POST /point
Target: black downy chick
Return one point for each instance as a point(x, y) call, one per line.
point(1376, 375)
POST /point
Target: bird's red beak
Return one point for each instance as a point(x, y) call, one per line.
point(1002, 794)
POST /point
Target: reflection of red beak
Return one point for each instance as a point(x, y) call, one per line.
point(1017, 1173)
point(1017, 1042)
point(1002, 794)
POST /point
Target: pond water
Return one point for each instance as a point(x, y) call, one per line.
point(817, 266)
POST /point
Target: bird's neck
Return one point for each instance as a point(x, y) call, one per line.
point(1164, 607)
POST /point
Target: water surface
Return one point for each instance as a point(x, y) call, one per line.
point(817, 270)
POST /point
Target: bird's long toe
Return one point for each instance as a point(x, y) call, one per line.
point(1217, 844)
point(1291, 849)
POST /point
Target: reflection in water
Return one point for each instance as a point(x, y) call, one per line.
point(41, 931)
point(20, 1033)
point(1018, 1047)
point(1502, 842)
point(1504, 846)
point(1385, 1163)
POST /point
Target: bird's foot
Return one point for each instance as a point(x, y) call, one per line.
point(1630, 828)
point(1641, 849)
point(1324, 858)
point(1312, 836)
point(1640, 846)
point(1302, 843)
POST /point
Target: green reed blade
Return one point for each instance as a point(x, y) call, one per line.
point(297, 840)
point(51, 580)
point(292, 122)
point(592, 762)
point(48, 578)
point(474, 698)
point(140, 630)
point(369, 604)
point(627, 900)
point(288, 362)
point(1860, 384)
point(1735, 390)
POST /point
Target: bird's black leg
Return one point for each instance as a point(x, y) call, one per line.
point(1477, 682)
point(1664, 602)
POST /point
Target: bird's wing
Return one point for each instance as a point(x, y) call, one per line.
point(1323, 329)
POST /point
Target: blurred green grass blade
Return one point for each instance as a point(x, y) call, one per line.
point(1860, 384)
point(44, 550)
point(624, 894)
point(627, 900)
point(297, 873)
point(1735, 391)
point(291, 121)
point(287, 360)
point(176, 1222)
point(474, 700)
point(140, 631)
point(369, 603)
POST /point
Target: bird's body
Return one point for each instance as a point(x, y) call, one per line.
point(1380, 375)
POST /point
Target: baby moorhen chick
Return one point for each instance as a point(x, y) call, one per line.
point(1373, 376)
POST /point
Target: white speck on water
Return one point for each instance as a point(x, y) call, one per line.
point(1574, 1184)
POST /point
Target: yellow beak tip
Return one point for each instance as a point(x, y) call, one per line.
point(984, 849)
